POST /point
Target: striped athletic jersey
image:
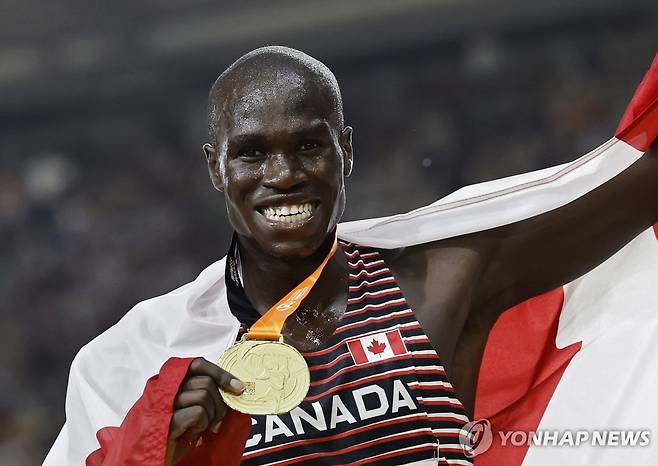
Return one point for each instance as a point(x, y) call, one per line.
point(378, 395)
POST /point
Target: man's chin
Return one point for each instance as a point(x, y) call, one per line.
point(294, 244)
point(292, 249)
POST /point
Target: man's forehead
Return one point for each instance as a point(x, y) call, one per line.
point(254, 92)
point(293, 104)
point(268, 99)
point(248, 128)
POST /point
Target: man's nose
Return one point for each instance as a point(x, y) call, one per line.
point(282, 172)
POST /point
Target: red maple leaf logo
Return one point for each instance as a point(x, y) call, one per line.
point(376, 347)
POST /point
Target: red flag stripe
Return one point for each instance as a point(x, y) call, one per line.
point(395, 340)
point(358, 354)
point(639, 125)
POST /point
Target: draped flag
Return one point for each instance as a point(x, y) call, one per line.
point(588, 365)
point(578, 361)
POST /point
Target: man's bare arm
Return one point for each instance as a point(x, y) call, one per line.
point(538, 254)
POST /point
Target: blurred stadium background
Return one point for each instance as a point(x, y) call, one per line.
point(104, 196)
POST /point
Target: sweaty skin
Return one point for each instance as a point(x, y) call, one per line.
point(278, 138)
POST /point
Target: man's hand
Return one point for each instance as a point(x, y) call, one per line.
point(198, 406)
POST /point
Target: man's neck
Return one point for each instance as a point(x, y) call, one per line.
point(267, 278)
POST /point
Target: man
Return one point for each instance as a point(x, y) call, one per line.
point(280, 152)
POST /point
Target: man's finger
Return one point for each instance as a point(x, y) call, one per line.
point(201, 397)
point(223, 379)
point(193, 418)
point(207, 383)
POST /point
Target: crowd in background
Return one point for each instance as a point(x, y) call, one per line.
point(103, 209)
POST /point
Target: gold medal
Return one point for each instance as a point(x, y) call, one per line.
point(275, 376)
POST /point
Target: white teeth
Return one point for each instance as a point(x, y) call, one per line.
point(289, 213)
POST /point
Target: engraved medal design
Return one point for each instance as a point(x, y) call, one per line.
point(275, 376)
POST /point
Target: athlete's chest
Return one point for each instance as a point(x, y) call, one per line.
point(377, 385)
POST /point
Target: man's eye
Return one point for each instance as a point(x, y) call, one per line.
point(250, 154)
point(310, 145)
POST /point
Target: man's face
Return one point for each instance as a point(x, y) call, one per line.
point(284, 163)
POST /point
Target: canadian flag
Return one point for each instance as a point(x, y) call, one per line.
point(376, 347)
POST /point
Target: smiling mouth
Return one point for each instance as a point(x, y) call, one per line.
point(289, 213)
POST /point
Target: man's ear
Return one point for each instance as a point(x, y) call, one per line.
point(214, 167)
point(348, 152)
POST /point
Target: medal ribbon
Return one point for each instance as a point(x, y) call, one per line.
point(269, 326)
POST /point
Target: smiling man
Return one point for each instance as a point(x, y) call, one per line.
point(393, 338)
point(281, 153)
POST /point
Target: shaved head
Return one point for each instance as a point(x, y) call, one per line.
point(266, 74)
